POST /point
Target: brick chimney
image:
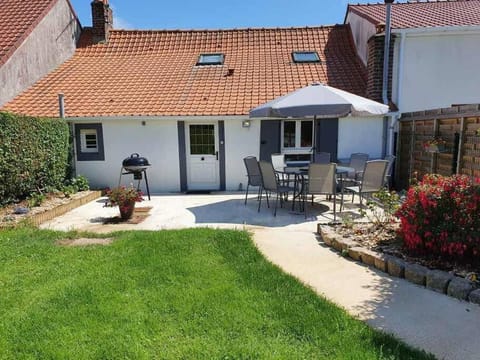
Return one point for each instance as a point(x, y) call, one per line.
point(102, 19)
point(375, 67)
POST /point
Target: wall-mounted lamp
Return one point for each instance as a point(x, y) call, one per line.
point(246, 123)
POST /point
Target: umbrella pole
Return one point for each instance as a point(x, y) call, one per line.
point(314, 147)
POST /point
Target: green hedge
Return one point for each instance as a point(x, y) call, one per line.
point(33, 155)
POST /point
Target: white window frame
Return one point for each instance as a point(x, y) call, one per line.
point(297, 149)
point(83, 140)
point(203, 59)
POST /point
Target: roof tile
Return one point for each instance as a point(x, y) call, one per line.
point(17, 20)
point(423, 14)
point(153, 73)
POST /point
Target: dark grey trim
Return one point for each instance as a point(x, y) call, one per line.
point(326, 133)
point(269, 138)
point(182, 155)
point(90, 156)
point(221, 141)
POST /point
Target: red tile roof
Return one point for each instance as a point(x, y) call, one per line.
point(423, 14)
point(153, 72)
point(17, 20)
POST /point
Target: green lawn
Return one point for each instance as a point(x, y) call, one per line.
point(190, 294)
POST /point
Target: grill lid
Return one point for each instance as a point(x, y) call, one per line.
point(135, 163)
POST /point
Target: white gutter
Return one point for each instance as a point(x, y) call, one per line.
point(439, 30)
point(157, 118)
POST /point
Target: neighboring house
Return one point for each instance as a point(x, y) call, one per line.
point(36, 36)
point(182, 98)
point(435, 52)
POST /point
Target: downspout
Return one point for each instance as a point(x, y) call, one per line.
point(61, 106)
point(71, 152)
point(386, 50)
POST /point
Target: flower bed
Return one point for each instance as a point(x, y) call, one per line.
point(54, 205)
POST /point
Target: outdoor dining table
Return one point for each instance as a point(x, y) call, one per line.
point(300, 175)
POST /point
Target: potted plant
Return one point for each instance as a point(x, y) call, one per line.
point(436, 144)
point(125, 198)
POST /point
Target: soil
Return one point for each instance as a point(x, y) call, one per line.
point(12, 214)
point(85, 241)
point(383, 238)
point(139, 215)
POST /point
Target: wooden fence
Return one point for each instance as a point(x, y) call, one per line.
point(458, 125)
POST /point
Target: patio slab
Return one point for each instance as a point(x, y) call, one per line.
point(174, 211)
point(442, 325)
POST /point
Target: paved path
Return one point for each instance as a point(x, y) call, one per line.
point(446, 327)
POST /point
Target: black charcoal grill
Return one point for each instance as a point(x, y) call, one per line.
point(137, 166)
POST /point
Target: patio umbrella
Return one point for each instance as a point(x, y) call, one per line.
point(319, 100)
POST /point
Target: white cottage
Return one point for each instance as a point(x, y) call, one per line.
point(182, 98)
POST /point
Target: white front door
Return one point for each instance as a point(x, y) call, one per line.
point(202, 156)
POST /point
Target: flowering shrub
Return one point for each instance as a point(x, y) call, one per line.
point(436, 141)
point(123, 195)
point(439, 217)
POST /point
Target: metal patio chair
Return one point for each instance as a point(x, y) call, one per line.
point(322, 180)
point(322, 158)
point(272, 184)
point(388, 172)
point(357, 162)
point(278, 162)
point(373, 179)
point(253, 174)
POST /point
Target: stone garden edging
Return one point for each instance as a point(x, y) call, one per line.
point(50, 214)
point(436, 280)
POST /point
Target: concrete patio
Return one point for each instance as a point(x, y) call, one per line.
point(222, 210)
point(439, 324)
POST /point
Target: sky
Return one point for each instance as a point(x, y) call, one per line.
point(216, 14)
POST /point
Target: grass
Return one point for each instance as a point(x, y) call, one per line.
point(190, 294)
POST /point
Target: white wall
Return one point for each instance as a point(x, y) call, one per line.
point(157, 141)
point(439, 70)
point(362, 30)
point(363, 134)
point(239, 143)
point(51, 43)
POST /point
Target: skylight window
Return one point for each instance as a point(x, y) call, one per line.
point(305, 56)
point(210, 59)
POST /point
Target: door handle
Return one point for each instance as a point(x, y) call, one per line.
point(216, 154)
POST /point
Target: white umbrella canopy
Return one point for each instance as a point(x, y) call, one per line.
point(320, 101)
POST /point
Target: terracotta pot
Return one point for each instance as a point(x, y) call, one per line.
point(126, 210)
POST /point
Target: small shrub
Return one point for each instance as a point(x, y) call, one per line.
point(36, 199)
point(74, 185)
point(382, 207)
point(80, 183)
point(439, 217)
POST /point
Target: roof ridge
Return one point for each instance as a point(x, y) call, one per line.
point(409, 2)
point(227, 30)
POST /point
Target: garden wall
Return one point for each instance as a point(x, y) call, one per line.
point(457, 125)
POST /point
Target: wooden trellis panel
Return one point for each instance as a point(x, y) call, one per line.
point(417, 128)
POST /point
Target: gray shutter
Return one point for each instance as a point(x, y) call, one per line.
point(269, 138)
point(221, 141)
point(326, 133)
point(182, 155)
